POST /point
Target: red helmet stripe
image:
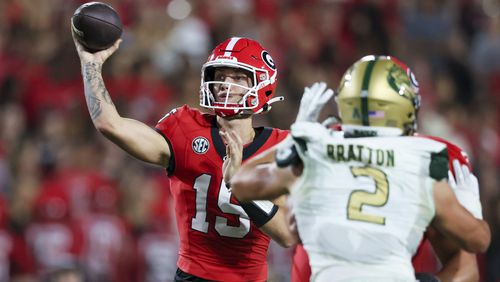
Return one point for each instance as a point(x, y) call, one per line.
point(399, 63)
point(231, 45)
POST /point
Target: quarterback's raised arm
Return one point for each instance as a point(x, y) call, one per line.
point(134, 137)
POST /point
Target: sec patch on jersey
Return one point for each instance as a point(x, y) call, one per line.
point(200, 145)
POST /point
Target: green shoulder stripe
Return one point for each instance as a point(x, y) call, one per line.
point(439, 165)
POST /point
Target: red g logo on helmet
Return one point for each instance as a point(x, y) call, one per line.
point(268, 60)
point(244, 54)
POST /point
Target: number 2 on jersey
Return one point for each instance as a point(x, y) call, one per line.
point(199, 221)
point(358, 198)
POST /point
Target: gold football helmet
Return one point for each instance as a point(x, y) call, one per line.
point(378, 96)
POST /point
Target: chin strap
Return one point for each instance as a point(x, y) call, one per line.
point(267, 107)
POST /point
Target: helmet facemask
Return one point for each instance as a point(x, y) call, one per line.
point(218, 95)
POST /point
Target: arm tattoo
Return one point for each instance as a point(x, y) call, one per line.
point(95, 90)
point(94, 105)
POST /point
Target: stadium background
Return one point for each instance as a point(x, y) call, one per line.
point(62, 184)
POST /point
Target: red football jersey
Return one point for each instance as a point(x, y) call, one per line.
point(424, 259)
point(301, 269)
point(217, 239)
point(454, 152)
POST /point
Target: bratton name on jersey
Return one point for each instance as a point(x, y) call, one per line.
point(360, 153)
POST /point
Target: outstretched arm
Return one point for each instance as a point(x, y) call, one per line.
point(276, 226)
point(458, 265)
point(261, 179)
point(133, 136)
point(455, 222)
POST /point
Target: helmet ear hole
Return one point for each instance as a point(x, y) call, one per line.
point(269, 93)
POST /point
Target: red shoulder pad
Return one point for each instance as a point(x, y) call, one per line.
point(180, 117)
point(454, 152)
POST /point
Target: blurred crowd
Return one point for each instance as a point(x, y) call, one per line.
point(73, 206)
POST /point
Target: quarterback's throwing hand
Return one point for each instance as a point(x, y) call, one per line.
point(466, 188)
point(98, 57)
point(313, 100)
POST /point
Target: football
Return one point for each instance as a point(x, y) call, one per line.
point(96, 26)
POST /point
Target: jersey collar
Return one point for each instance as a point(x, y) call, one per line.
point(261, 136)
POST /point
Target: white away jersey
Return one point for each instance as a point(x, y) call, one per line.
point(362, 204)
